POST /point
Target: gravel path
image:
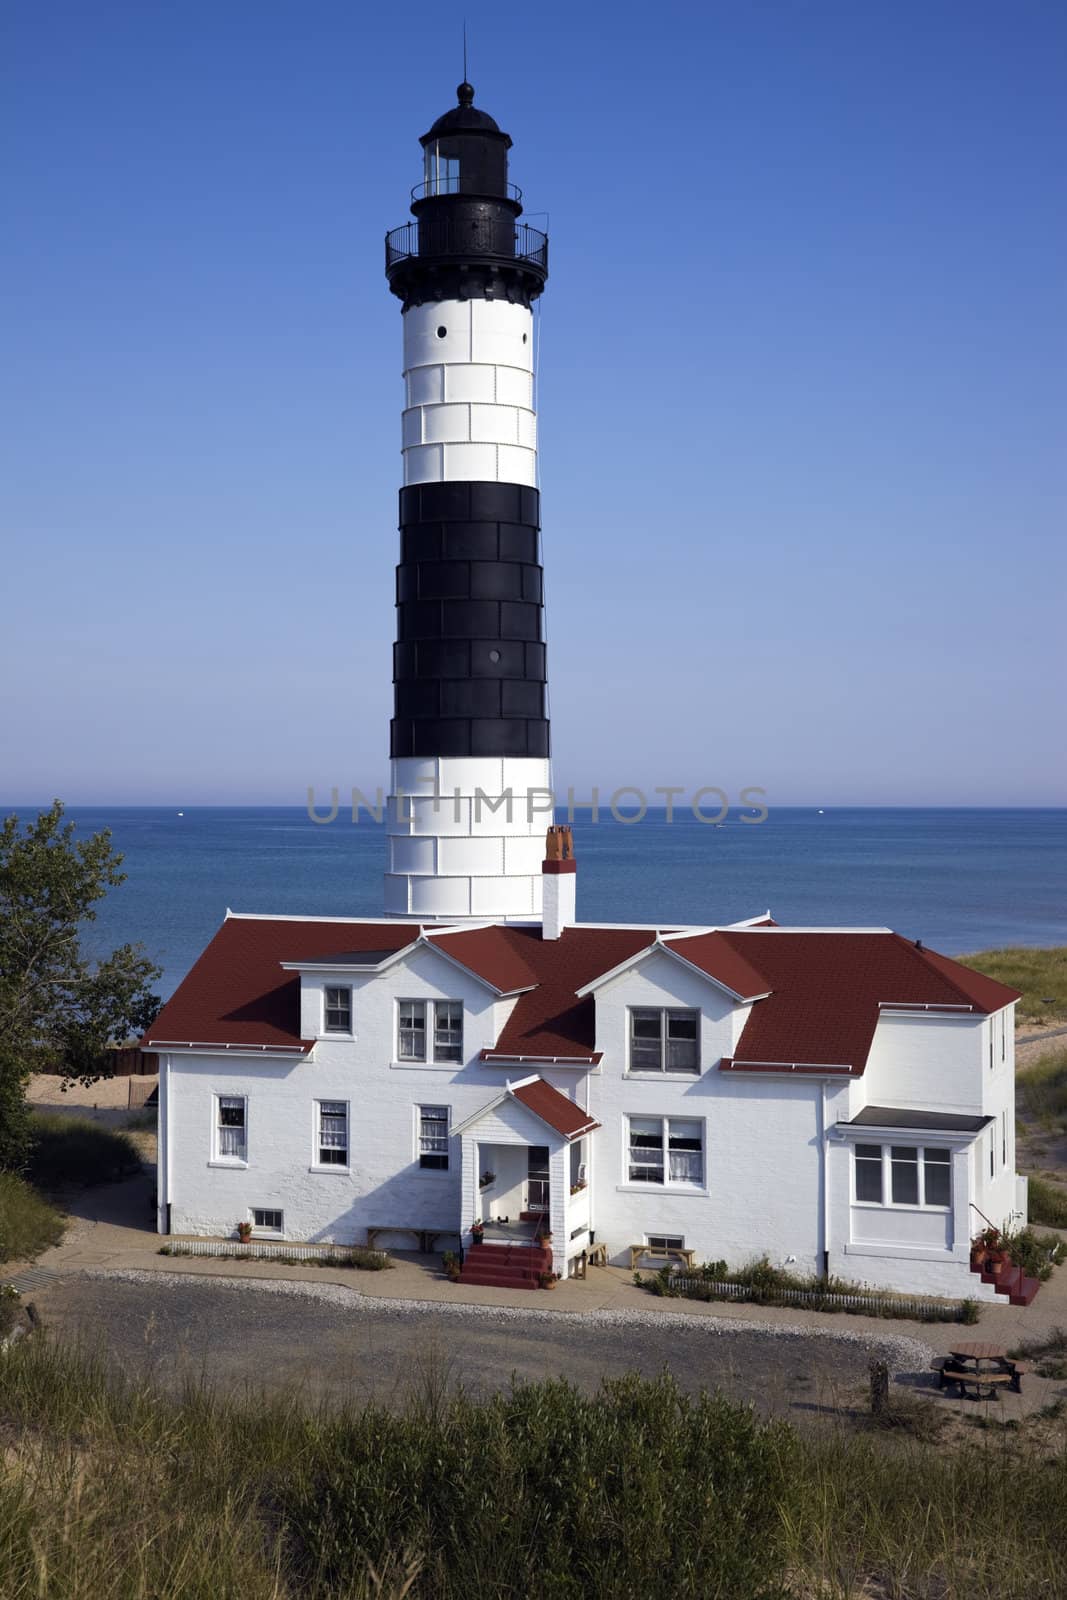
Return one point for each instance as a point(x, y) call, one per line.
point(335, 1344)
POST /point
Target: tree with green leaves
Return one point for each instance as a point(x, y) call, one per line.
point(57, 1007)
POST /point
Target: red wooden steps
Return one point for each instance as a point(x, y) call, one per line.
point(505, 1266)
point(1010, 1281)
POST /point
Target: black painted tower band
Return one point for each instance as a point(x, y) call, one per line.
point(469, 662)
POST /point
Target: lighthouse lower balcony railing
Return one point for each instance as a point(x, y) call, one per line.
point(445, 242)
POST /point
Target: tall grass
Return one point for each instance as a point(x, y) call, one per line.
point(1044, 1089)
point(1047, 1203)
point(1041, 975)
point(637, 1493)
point(28, 1224)
point(75, 1150)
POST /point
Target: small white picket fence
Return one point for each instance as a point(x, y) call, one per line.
point(877, 1305)
point(257, 1249)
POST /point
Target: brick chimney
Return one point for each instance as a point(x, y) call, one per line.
point(559, 882)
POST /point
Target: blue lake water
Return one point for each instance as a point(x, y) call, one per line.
point(959, 879)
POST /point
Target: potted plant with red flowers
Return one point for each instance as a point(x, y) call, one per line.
point(244, 1232)
point(477, 1231)
point(548, 1280)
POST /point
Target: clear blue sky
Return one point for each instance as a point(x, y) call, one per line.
point(802, 390)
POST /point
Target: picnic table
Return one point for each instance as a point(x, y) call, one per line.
point(981, 1370)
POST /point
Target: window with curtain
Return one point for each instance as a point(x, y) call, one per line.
point(666, 1150)
point(333, 1133)
point(433, 1137)
point(231, 1129)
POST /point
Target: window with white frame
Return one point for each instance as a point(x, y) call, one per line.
point(267, 1220)
point(666, 1150)
point(437, 1023)
point(664, 1039)
point(331, 1148)
point(231, 1127)
point(337, 1010)
point(903, 1175)
point(433, 1137)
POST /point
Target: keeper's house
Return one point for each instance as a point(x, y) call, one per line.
point(840, 1099)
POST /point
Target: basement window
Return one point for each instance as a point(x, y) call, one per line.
point(265, 1220)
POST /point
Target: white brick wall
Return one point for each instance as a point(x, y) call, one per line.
point(766, 1190)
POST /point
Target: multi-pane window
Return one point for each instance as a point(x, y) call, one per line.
point(667, 1150)
point(660, 1243)
point(333, 1133)
point(231, 1129)
point(433, 1137)
point(447, 1030)
point(439, 1020)
point(664, 1040)
point(338, 1010)
point(869, 1173)
point(911, 1175)
point(267, 1220)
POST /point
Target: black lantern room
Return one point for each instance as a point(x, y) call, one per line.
point(466, 239)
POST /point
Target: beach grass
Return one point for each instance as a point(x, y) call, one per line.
point(74, 1150)
point(115, 1489)
point(1040, 974)
point(1043, 1087)
point(1046, 1202)
point(28, 1224)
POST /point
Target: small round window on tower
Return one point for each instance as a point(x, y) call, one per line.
point(494, 656)
point(442, 331)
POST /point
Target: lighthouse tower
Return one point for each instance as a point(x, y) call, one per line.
point(469, 748)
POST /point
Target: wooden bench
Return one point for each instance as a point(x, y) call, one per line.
point(427, 1237)
point(639, 1250)
point(598, 1255)
point(967, 1378)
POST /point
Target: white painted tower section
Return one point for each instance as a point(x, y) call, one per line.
point(468, 373)
point(457, 846)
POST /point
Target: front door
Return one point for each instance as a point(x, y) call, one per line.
point(537, 1178)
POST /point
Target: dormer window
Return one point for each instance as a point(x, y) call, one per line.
point(338, 1010)
point(438, 1023)
point(663, 1039)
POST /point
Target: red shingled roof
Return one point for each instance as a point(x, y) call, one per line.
point(237, 993)
point(554, 1108)
point(827, 989)
point(714, 954)
point(823, 990)
point(550, 1020)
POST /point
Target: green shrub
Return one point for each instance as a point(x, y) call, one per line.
point(970, 1311)
point(1036, 1253)
point(75, 1150)
point(28, 1224)
point(115, 1491)
point(1046, 1203)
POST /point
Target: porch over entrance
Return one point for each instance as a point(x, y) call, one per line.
point(525, 1165)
